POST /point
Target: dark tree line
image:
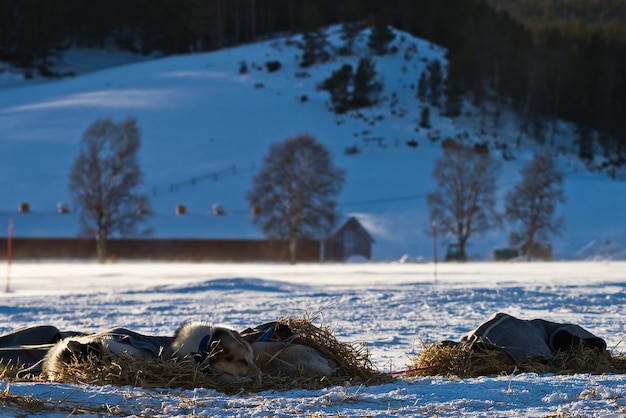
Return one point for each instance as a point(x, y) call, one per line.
point(544, 58)
point(32, 30)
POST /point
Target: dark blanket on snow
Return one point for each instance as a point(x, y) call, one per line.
point(524, 339)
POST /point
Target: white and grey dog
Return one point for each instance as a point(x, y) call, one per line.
point(223, 352)
point(216, 349)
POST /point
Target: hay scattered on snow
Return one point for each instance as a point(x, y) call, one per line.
point(28, 404)
point(481, 359)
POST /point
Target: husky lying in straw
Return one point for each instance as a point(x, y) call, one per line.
point(217, 350)
point(224, 352)
point(80, 348)
point(220, 351)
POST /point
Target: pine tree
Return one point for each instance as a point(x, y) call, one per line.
point(380, 37)
point(366, 85)
point(453, 96)
point(585, 142)
point(339, 86)
point(314, 50)
point(349, 31)
point(425, 118)
point(422, 87)
point(435, 82)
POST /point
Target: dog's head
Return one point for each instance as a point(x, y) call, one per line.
point(217, 350)
point(69, 351)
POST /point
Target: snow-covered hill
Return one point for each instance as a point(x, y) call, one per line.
point(206, 127)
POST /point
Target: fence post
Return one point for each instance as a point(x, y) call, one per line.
point(9, 254)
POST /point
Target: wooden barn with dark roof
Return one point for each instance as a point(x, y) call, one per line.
point(349, 240)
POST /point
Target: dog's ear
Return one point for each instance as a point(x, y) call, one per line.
point(218, 338)
point(80, 350)
point(220, 333)
point(225, 342)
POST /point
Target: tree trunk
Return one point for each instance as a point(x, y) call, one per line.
point(462, 254)
point(292, 250)
point(101, 248)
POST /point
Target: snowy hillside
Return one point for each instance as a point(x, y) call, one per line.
point(206, 127)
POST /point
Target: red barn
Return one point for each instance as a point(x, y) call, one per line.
point(350, 239)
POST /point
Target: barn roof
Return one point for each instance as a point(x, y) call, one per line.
point(354, 223)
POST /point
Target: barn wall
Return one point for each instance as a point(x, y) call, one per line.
point(160, 249)
point(334, 249)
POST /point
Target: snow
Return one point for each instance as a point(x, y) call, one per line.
point(392, 307)
point(206, 128)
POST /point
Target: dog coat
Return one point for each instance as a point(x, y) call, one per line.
point(29, 345)
point(523, 339)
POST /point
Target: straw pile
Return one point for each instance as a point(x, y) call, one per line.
point(482, 359)
point(354, 366)
point(353, 360)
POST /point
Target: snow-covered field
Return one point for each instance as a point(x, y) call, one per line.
point(392, 307)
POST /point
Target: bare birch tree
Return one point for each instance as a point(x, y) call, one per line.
point(464, 202)
point(104, 179)
point(531, 205)
point(295, 191)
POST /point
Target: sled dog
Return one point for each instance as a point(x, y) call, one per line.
point(223, 352)
point(277, 358)
point(217, 350)
point(80, 348)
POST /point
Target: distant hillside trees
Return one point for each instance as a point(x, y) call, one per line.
point(380, 38)
point(435, 82)
point(531, 205)
point(339, 86)
point(104, 180)
point(367, 86)
point(464, 202)
point(381, 34)
point(349, 32)
point(425, 118)
point(294, 193)
point(314, 49)
point(352, 90)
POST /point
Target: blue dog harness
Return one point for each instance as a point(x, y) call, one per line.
point(203, 352)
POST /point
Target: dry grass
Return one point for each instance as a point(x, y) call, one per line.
point(21, 405)
point(480, 359)
point(353, 360)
